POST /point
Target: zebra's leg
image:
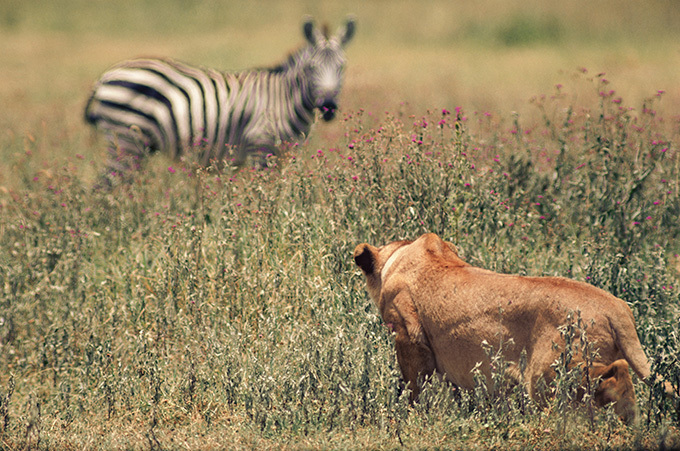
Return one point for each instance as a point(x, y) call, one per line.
point(262, 154)
point(237, 155)
point(127, 150)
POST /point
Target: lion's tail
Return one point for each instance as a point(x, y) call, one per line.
point(629, 344)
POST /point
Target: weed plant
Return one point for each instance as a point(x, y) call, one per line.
point(220, 308)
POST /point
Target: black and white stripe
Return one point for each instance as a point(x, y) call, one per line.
point(159, 104)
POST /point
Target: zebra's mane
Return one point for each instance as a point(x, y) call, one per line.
point(292, 61)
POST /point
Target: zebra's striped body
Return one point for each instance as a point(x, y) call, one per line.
point(160, 104)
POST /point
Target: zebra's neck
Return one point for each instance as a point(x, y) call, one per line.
point(288, 111)
point(295, 60)
point(299, 91)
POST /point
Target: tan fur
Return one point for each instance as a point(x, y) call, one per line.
point(615, 386)
point(442, 309)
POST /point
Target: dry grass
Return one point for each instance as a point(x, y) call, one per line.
point(407, 57)
point(187, 312)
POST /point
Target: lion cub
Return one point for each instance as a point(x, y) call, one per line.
point(442, 309)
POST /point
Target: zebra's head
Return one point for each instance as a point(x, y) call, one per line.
point(326, 63)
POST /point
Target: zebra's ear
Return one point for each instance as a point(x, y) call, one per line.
point(347, 33)
point(312, 33)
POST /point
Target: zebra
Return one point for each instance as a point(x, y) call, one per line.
point(150, 104)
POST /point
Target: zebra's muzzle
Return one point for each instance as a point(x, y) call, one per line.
point(328, 109)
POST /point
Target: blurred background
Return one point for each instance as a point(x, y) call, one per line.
point(407, 57)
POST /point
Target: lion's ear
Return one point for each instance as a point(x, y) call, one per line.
point(364, 256)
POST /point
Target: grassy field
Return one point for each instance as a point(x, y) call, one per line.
point(204, 309)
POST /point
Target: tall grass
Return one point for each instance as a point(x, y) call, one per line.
point(211, 308)
point(203, 308)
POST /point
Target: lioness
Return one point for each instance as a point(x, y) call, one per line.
point(442, 309)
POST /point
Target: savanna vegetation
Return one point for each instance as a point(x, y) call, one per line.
point(220, 308)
